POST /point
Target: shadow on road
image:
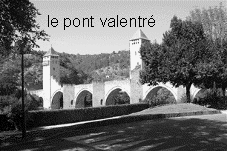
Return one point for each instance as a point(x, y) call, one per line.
point(167, 134)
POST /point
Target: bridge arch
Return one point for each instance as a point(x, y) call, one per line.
point(109, 98)
point(153, 90)
point(57, 100)
point(200, 94)
point(195, 93)
point(40, 101)
point(83, 99)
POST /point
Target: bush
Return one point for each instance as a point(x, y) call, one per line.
point(5, 124)
point(158, 102)
point(6, 102)
point(213, 100)
point(183, 98)
point(15, 114)
point(162, 97)
point(122, 98)
point(54, 117)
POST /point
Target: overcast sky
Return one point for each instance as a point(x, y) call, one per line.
point(99, 39)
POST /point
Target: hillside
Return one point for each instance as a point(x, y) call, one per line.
point(100, 67)
point(89, 63)
point(75, 69)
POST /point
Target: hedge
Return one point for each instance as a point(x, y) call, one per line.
point(54, 117)
point(5, 124)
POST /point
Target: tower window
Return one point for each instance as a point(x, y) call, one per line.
point(53, 68)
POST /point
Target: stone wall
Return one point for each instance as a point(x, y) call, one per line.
point(68, 96)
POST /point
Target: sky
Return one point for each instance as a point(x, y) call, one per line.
point(93, 38)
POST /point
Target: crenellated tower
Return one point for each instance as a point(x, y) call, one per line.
point(135, 43)
point(136, 64)
point(51, 76)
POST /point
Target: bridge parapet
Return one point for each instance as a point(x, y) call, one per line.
point(37, 92)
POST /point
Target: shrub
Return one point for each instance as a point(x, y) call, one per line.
point(53, 117)
point(5, 124)
point(122, 98)
point(6, 102)
point(157, 101)
point(213, 100)
point(183, 98)
point(162, 97)
point(15, 115)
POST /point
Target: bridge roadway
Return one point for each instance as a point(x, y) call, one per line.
point(206, 132)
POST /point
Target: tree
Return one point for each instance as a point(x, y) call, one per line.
point(88, 100)
point(214, 21)
point(17, 22)
point(8, 84)
point(176, 59)
point(121, 98)
point(18, 25)
point(8, 77)
point(153, 72)
point(161, 97)
point(70, 75)
point(18, 29)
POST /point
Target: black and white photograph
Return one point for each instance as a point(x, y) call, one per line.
point(113, 75)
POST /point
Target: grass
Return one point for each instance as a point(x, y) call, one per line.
point(174, 108)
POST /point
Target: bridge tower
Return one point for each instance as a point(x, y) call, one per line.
point(136, 64)
point(135, 43)
point(51, 76)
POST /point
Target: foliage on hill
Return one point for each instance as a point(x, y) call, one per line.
point(101, 67)
point(75, 69)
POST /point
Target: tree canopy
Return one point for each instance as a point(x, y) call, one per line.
point(18, 22)
point(18, 32)
point(176, 59)
point(214, 22)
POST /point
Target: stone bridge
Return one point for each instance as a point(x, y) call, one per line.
point(101, 92)
point(74, 95)
point(57, 96)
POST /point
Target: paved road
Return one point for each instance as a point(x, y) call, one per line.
point(207, 132)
